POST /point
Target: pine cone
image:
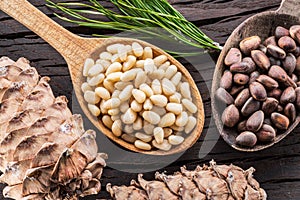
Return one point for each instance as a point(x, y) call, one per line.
point(45, 153)
point(214, 182)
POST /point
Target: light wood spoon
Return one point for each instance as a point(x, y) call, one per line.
point(263, 25)
point(76, 49)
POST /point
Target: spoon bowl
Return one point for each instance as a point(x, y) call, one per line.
point(76, 50)
point(262, 25)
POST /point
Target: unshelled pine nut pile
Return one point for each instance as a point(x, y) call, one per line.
point(143, 99)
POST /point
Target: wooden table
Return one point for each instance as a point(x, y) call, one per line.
point(278, 168)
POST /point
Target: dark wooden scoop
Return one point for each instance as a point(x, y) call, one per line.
point(263, 25)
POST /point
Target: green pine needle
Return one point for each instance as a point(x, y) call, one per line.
point(138, 16)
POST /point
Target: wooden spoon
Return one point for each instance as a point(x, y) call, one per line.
point(76, 49)
point(263, 25)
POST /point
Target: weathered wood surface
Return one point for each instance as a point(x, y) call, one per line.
point(278, 168)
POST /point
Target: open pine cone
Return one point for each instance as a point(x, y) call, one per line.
point(45, 153)
point(214, 182)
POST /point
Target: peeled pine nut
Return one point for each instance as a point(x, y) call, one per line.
point(115, 117)
point(156, 87)
point(159, 100)
point(129, 116)
point(170, 72)
point(113, 48)
point(128, 129)
point(91, 97)
point(159, 60)
point(129, 49)
point(115, 67)
point(105, 55)
point(86, 87)
point(130, 62)
point(107, 121)
point(95, 70)
point(94, 110)
point(115, 94)
point(138, 124)
point(157, 74)
point(136, 107)
point(167, 120)
point(190, 124)
point(105, 63)
point(130, 75)
point(115, 58)
point(128, 138)
point(126, 93)
point(149, 66)
point(122, 53)
point(114, 111)
point(137, 49)
point(143, 137)
point(140, 64)
point(103, 93)
point(124, 107)
point(103, 110)
point(139, 95)
point(147, 53)
point(175, 140)
point(177, 128)
point(142, 145)
point(165, 146)
point(158, 134)
point(151, 117)
point(190, 106)
point(176, 78)
point(96, 80)
point(182, 119)
point(175, 108)
point(168, 87)
point(140, 78)
point(159, 110)
point(112, 103)
point(108, 85)
point(114, 77)
point(148, 128)
point(87, 66)
point(148, 105)
point(117, 128)
point(185, 90)
point(167, 132)
point(175, 98)
point(165, 66)
point(146, 89)
point(121, 85)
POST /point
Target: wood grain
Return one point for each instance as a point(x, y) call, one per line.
point(277, 167)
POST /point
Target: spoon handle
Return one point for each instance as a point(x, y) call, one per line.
point(289, 7)
point(65, 42)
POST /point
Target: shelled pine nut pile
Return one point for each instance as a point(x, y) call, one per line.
point(142, 98)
